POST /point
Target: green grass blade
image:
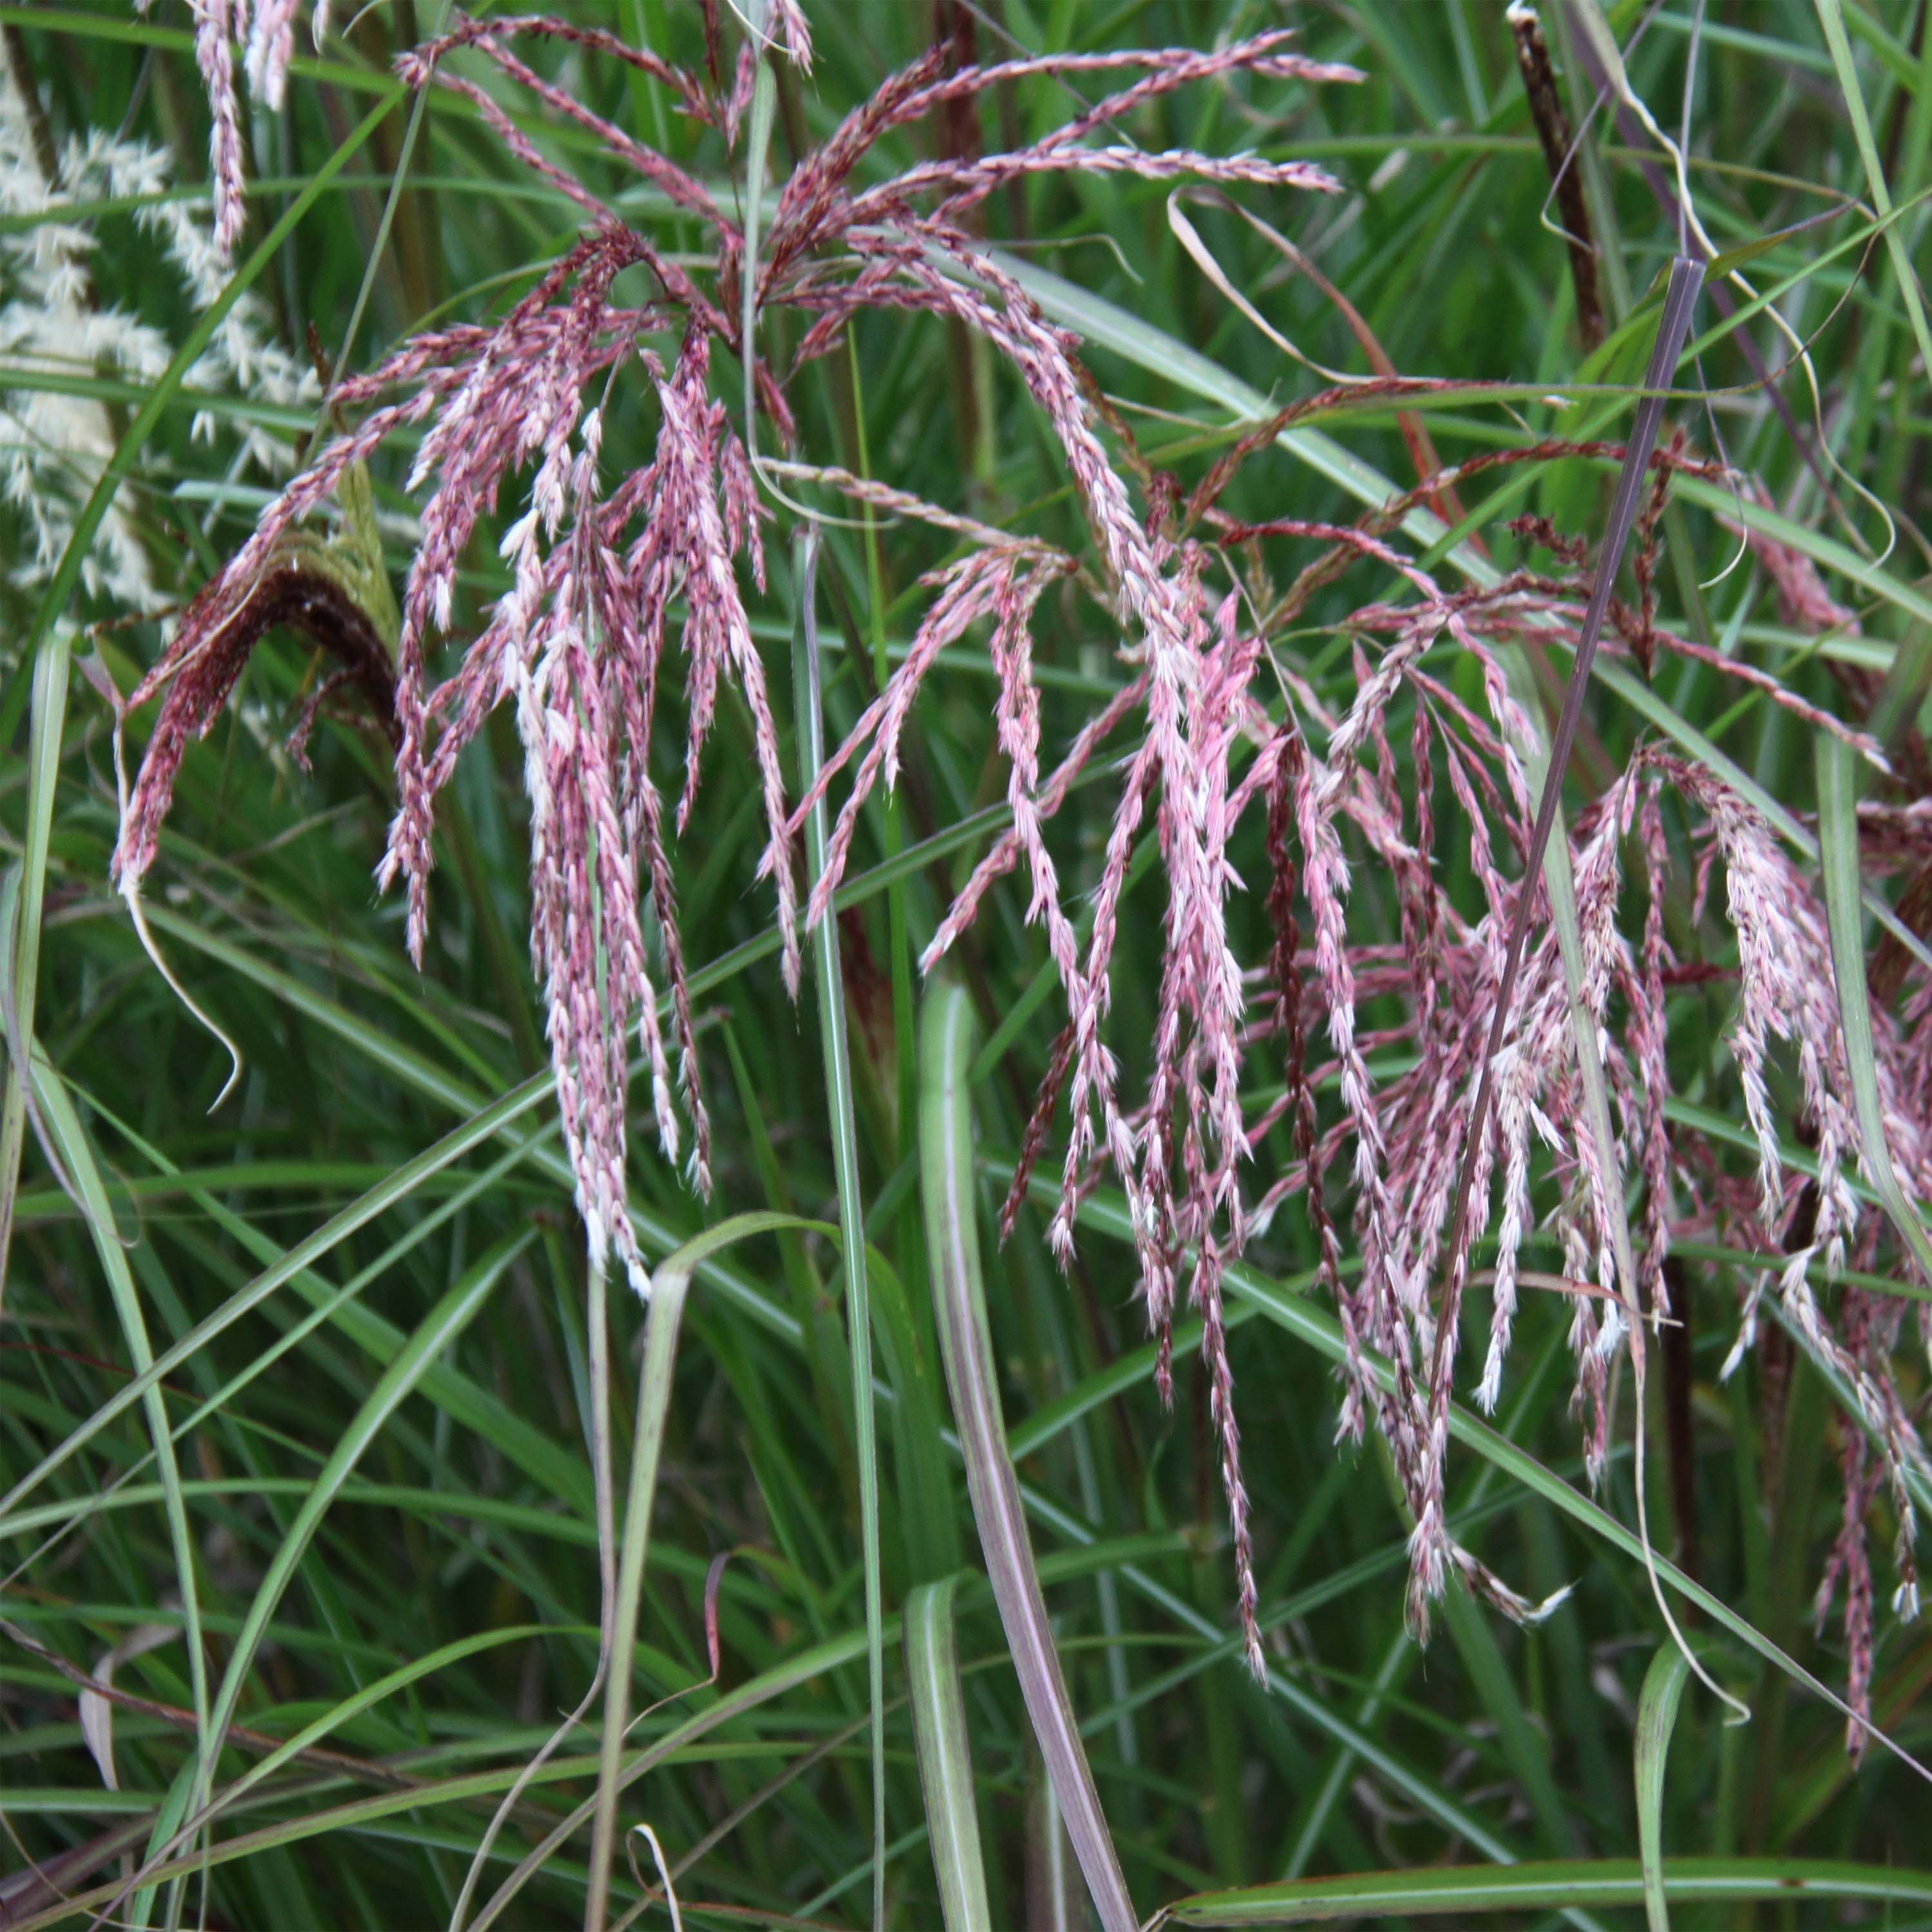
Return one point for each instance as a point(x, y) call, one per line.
point(671, 1283)
point(945, 1756)
point(802, 1667)
point(287, 1266)
point(1548, 1887)
point(20, 929)
point(1832, 18)
point(1318, 1711)
point(927, 1516)
point(824, 1346)
point(952, 1242)
point(845, 1161)
point(435, 1332)
point(1656, 1718)
point(366, 1699)
point(76, 1154)
point(757, 148)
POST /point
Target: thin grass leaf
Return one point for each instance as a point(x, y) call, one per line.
point(757, 149)
point(1601, 1882)
point(669, 1286)
point(366, 1699)
point(928, 1521)
point(1831, 19)
point(21, 926)
point(1656, 1719)
point(404, 1181)
point(71, 1147)
point(945, 1756)
point(825, 1352)
point(443, 1384)
point(434, 1333)
point(845, 1161)
point(1056, 1898)
point(671, 1283)
point(953, 1243)
point(802, 1667)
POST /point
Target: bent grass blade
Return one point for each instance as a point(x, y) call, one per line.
point(953, 1243)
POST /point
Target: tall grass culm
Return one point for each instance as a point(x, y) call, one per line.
point(964, 963)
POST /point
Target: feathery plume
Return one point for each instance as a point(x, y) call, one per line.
point(511, 419)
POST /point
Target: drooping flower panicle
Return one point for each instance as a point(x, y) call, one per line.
point(601, 565)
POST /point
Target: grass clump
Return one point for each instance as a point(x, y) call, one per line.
point(1315, 637)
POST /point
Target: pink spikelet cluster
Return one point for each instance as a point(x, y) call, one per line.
point(1406, 1132)
point(1002, 584)
point(1850, 1564)
point(214, 55)
point(1787, 993)
point(265, 29)
point(510, 419)
point(574, 644)
point(1802, 599)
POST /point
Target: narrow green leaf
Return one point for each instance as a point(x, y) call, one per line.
point(1056, 1899)
point(824, 1346)
point(953, 1244)
point(925, 1490)
point(757, 147)
point(1547, 1887)
point(622, 1559)
point(349, 1708)
point(288, 1265)
point(1656, 1718)
point(20, 923)
point(435, 1332)
point(945, 1756)
point(810, 725)
point(802, 1667)
point(669, 1286)
point(1830, 17)
point(76, 1153)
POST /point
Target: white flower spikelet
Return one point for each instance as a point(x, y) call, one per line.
point(55, 324)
